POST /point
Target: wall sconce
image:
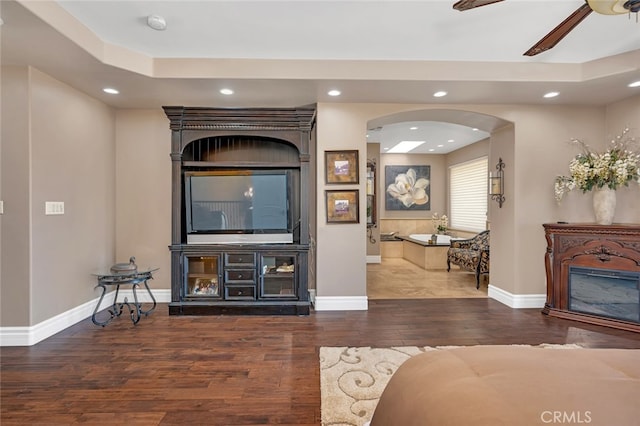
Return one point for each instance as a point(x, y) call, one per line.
point(496, 183)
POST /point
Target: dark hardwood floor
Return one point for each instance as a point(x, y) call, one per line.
point(243, 370)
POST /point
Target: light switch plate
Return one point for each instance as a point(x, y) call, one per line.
point(1, 207)
point(53, 207)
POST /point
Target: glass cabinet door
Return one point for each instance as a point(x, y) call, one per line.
point(278, 276)
point(202, 276)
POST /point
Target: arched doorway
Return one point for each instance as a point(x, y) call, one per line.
point(478, 125)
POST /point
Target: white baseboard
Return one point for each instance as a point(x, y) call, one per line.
point(374, 259)
point(28, 336)
point(517, 301)
point(341, 303)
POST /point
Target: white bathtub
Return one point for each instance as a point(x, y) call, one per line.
point(425, 238)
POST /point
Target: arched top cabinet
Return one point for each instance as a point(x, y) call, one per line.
point(261, 275)
point(292, 125)
point(240, 150)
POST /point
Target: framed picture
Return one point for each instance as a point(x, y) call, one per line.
point(342, 206)
point(341, 166)
point(407, 187)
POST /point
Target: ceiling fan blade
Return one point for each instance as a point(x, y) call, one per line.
point(470, 4)
point(559, 32)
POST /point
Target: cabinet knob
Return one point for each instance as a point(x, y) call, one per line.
point(239, 275)
point(240, 292)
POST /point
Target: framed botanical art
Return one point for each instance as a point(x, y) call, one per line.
point(407, 187)
point(341, 166)
point(342, 206)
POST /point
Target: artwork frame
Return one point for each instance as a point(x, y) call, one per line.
point(341, 167)
point(342, 206)
point(408, 187)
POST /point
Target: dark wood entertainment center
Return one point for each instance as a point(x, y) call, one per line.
point(253, 276)
point(593, 274)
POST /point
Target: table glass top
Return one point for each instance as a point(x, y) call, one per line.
point(125, 274)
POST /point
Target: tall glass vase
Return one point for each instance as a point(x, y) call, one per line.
point(604, 205)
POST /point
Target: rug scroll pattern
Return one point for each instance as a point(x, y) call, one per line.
point(353, 378)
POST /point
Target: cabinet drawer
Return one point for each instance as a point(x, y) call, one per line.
point(240, 275)
point(240, 259)
point(239, 292)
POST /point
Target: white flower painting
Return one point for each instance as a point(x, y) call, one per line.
point(407, 187)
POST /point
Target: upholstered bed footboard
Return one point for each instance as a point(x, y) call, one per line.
point(514, 385)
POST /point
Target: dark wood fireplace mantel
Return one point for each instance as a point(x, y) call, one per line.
point(589, 247)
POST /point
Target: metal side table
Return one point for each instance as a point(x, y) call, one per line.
point(132, 278)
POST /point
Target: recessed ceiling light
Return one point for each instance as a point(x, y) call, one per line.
point(110, 91)
point(451, 141)
point(406, 146)
point(551, 94)
point(440, 146)
point(635, 84)
point(385, 148)
point(475, 129)
point(226, 91)
point(334, 92)
point(440, 94)
point(431, 149)
point(156, 22)
point(413, 128)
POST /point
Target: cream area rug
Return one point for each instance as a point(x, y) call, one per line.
point(352, 379)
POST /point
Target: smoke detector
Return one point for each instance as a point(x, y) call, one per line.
point(156, 22)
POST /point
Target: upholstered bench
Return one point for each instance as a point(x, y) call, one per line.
point(513, 385)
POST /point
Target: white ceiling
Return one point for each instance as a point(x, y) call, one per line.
point(376, 30)
point(438, 137)
point(288, 53)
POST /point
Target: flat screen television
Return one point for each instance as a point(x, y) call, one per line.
point(238, 206)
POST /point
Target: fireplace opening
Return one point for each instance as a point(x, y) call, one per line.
point(605, 292)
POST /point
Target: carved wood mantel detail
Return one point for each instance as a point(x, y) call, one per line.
point(613, 247)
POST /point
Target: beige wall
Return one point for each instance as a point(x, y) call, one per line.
point(112, 170)
point(469, 152)
point(143, 188)
point(67, 155)
point(15, 274)
point(620, 115)
point(535, 150)
point(341, 248)
point(502, 219)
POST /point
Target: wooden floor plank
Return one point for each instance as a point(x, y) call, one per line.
point(249, 370)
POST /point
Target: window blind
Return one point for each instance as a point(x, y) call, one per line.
point(468, 195)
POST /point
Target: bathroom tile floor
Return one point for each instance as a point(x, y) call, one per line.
point(397, 278)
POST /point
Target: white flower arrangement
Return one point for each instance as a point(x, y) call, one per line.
point(439, 223)
point(614, 168)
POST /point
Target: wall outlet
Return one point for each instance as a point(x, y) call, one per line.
point(53, 207)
